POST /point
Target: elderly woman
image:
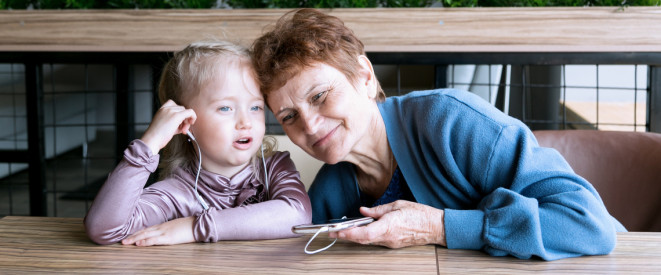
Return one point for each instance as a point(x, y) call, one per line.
point(432, 167)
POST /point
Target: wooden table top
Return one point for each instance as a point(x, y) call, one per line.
point(573, 29)
point(60, 245)
point(43, 244)
point(635, 253)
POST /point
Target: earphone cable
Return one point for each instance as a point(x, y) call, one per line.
point(197, 176)
point(266, 177)
point(323, 229)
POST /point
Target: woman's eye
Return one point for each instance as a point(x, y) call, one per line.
point(224, 109)
point(316, 97)
point(289, 117)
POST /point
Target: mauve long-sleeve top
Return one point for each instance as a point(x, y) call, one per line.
point(237, 206)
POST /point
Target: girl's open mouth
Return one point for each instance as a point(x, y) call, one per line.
point(243, 143)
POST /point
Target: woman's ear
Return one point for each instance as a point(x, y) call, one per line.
point(366, 77)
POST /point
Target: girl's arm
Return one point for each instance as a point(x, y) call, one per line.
point(121, 208)
point(289, 205)
point(118, 210)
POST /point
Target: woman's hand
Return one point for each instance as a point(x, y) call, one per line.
point(398, 224)
point(169, 120)
point(172, 232)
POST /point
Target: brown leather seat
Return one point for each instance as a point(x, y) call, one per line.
point(624, 167)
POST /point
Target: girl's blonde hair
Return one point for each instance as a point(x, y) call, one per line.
point(181, 80)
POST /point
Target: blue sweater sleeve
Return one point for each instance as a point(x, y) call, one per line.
point(534, 206)
point(501, 192)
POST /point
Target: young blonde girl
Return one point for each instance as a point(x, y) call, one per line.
point(212, 111)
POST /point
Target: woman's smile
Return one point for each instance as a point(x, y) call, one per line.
point(325, 139)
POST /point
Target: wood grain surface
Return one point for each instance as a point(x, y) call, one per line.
point(577, 29)
point(59, 245)
point(635, 253)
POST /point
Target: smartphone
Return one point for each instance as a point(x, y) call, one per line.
point(333, 225)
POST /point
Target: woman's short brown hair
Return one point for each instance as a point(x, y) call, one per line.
point(301, 38)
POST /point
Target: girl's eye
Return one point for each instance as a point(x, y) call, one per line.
point(256, 108)
point(224, 109)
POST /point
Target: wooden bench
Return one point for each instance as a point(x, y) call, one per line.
point(474, 30)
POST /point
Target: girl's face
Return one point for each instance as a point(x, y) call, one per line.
point(323, 113)
point(230, 118)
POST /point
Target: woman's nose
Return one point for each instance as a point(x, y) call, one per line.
point(311, 122)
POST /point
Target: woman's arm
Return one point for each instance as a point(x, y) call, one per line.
point(535, 206)
point(547, 211)
point(498, 190)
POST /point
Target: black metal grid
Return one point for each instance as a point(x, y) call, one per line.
point(13, 190)
point(73, 176)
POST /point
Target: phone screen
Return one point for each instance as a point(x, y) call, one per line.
point(332, 225)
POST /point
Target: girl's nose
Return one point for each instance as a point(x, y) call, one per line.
point(243, 121)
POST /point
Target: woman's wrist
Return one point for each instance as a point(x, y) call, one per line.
point(439, 227)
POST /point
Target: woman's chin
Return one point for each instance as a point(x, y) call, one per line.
point(329, 159)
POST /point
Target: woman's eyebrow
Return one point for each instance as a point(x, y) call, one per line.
point(309, 90)
point(302, 97)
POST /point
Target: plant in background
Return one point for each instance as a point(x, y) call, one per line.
point(109, 4)
point(251, 4)
point(161, 4)
point(548, 3)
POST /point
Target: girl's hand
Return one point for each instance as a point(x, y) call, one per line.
point(170, 119)
point(398, 224)
point(172, 232)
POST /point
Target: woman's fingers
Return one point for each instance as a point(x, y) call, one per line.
point(377, 211)
point(369, 234)
point(399, 224)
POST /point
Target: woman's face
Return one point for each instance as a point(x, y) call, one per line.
point(323, 113)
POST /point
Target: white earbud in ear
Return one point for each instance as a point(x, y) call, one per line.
point(190, 135)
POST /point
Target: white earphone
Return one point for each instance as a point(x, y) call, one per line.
point(199, 168)
point(266, 175)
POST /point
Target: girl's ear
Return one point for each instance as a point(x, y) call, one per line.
point(366, 78)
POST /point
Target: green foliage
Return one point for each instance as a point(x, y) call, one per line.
point(161, 4)
point(15, 4)
point(548, 3)
point(108, 4)
point(251, 4)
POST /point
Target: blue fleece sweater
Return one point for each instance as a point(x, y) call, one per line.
point(501, 192)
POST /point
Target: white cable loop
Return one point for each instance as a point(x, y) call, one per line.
point(323, 229)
